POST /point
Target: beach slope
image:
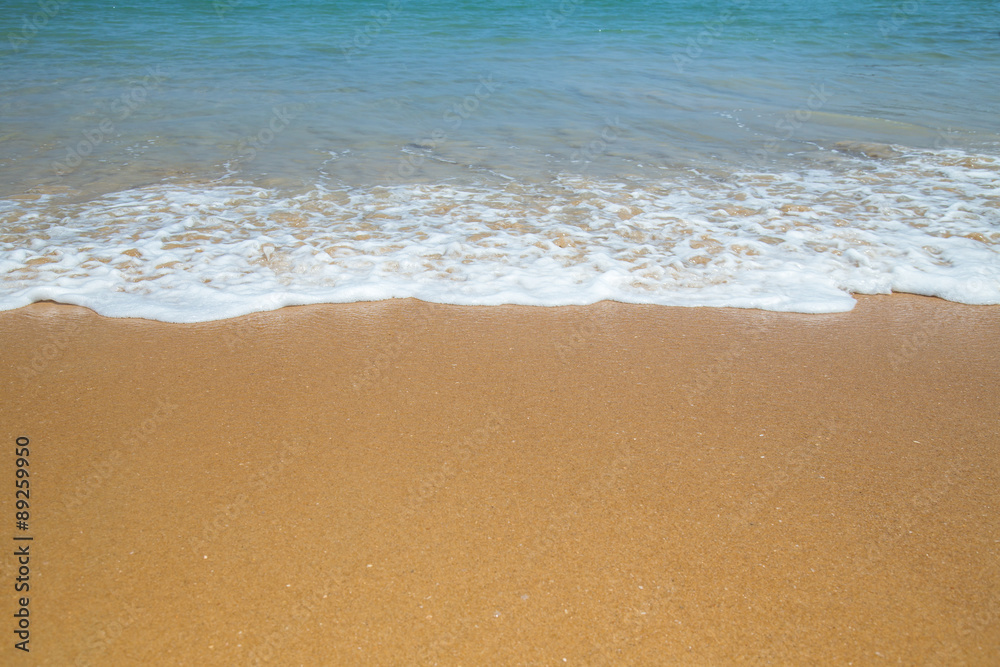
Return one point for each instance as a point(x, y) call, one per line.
point(401, 482)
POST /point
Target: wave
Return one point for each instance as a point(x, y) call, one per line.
point(925, 222)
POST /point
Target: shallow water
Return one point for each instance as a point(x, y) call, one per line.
point(204, 160)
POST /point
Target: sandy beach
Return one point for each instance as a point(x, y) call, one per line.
point(406, 483)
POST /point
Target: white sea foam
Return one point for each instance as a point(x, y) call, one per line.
point(926, 223)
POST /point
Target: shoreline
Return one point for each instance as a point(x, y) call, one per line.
point(400, 481)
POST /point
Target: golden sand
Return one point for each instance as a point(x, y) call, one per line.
point(405, 483)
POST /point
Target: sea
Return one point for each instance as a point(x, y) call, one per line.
point(194, 160)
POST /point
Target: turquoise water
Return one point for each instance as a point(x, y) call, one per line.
point(102, 104)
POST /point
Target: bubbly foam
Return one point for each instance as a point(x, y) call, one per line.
point(925, 222)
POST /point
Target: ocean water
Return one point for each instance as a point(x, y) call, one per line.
point(192, 160)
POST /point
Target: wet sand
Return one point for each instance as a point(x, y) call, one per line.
point(405, 483)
